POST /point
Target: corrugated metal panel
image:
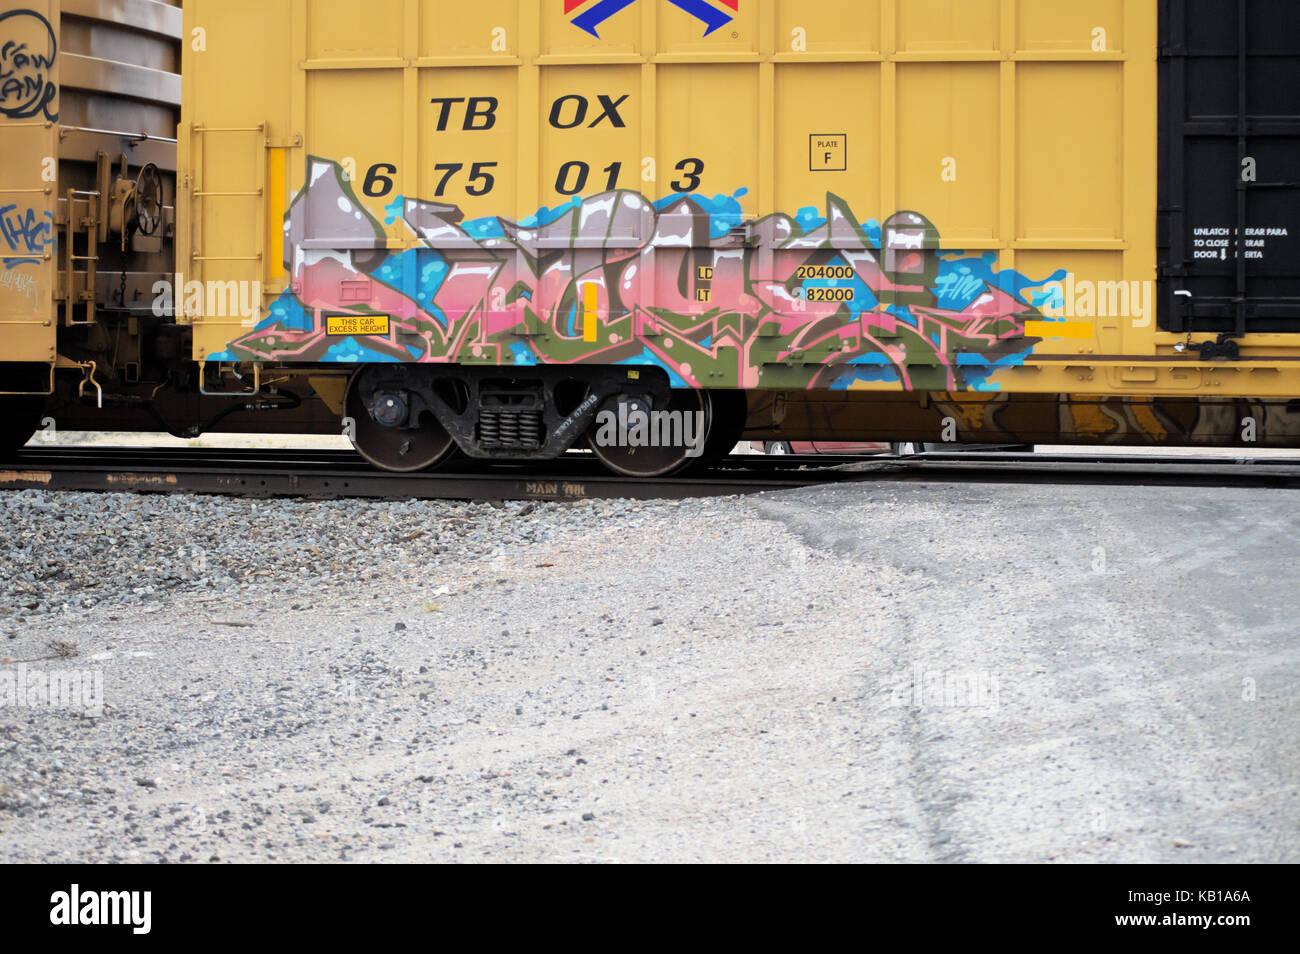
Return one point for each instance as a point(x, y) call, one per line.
point(120, 66)
point(1022, 130)
point(29, 111)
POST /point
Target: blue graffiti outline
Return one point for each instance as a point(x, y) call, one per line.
point(36, 235)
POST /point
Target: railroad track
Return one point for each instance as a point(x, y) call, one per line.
point(336, 473)
point(330, 473)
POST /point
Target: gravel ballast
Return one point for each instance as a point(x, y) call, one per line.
point(869, 673)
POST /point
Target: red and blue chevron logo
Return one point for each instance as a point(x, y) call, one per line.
point(595, 12)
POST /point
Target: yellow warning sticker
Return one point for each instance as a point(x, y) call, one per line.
point(356, 324)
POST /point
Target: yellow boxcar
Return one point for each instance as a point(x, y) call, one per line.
point(480, 223)
point(848, 194)
point(90, 95)
point(29, 131)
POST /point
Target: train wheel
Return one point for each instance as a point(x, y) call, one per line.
point(730, 411)
point(19, 419)
point(661, 461)
point(402, 449)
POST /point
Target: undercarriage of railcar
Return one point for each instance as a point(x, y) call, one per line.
point(129, 375)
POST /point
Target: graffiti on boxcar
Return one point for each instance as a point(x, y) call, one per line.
point(1114, 419)
point(685, 283)
point(28, 49)
point(26, 235)
point(25, 285)
point(1010, 418)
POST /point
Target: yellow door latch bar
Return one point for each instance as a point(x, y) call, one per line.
point(590, 304)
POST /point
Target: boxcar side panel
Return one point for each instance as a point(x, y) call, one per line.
point(29, 129)
point(902, 194)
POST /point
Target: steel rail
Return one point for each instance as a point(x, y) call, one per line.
point(331, 474)
point(339, 473)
